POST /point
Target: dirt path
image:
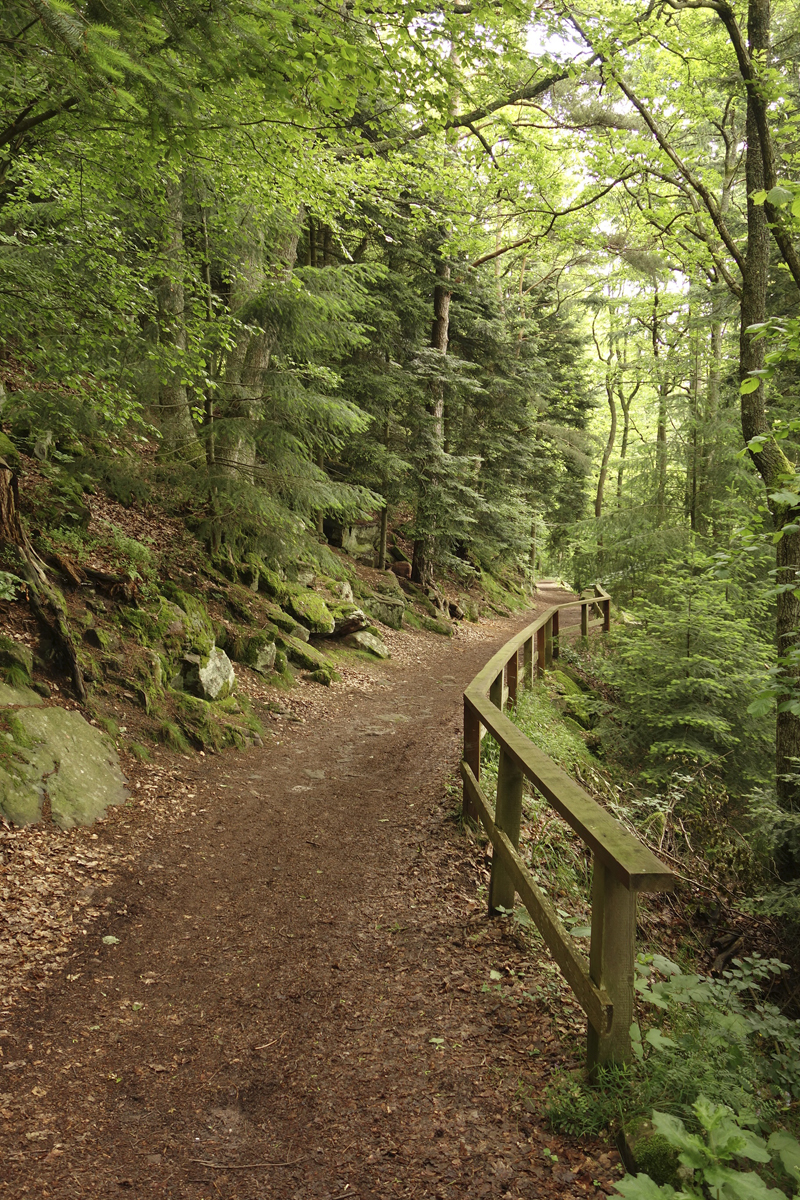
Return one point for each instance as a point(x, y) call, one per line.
point(299, 1003)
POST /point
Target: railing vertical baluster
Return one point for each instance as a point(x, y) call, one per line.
point(606, 606)
point(611, 963)
point(472, 752)
point(555, 634)
point(508, 817)
point(548, 642)
point(512, 672)
point(496, 692)
point(584, 620)
point(540, 642)
point(527, 669)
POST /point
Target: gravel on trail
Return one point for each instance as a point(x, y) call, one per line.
point(271, 974)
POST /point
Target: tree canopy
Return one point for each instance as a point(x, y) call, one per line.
point(525, 278)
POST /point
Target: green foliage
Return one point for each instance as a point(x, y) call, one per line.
point(726, 1021)
point(685, 674)
point(572, 1107)
point(711, 1158)
point(126, 556)
point(719, 1040)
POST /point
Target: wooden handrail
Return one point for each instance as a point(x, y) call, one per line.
point(622, 865)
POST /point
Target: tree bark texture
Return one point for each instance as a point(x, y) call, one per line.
point(44, 598)
point(609, 446)
point(247, 363)
point(422, 556)
point(179, 436)
point(769, 459)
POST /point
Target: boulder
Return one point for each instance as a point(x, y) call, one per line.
point(345, 591)
point(386, 609)
point(360, 538)
point(390, 584)
point(210, 678)
point(17, 695)
point(348, 619)
point(9, 452)
point(15, 654)
point(54, 751)
point(259, 653)
point(367, 641)
point(311, 610)
point(304, 656)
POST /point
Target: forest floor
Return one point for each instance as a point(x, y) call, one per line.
point(277, 977)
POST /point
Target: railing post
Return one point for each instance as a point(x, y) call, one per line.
point(496, 692)
point(606, 616)
point(472, 753)
point(527, 663)
point(512, 672)
point(548, 642)
point(540, 643)
point(584, 620)
point(611, 963)
point(555, 634)
point(507, 816)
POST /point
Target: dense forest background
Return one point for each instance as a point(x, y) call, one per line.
point(521, 280)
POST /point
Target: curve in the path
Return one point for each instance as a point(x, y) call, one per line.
point(298, 1005)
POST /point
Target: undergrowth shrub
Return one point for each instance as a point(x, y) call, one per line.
point(714, 1161)
point(718, 1038)
point(684, 675)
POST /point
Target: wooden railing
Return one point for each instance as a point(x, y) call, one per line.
point(622, 865)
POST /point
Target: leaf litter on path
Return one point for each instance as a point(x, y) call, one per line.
point(315, 965)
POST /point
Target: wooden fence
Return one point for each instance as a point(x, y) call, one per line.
point(622, 865)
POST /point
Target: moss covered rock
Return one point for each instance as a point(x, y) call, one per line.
point(386, 609)
point(301, 654)
point(9, 452)
point(311, 610)
point(259, 652)
point(326, 676)
point(270, 582)
point(55, 751)
point(367, 641)
point(15, 654)
point(211, 677)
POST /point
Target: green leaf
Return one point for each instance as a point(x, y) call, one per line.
point(788, 1150)
point(739, 1185)
point(656, 1038)
point(748, 385)
point(642, 1187)
point(779, 196)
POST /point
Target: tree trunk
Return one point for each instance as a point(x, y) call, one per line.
point(179, 436)
point(772, 464)
point(625, 405)
point(422, 556)
point(248, 362)
point(380, 561)
point(609, 447)
point(661, 428)
point(44, 598)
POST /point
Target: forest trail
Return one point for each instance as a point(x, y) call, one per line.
point(299, 1003)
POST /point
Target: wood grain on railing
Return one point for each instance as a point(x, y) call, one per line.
point(622, 865)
